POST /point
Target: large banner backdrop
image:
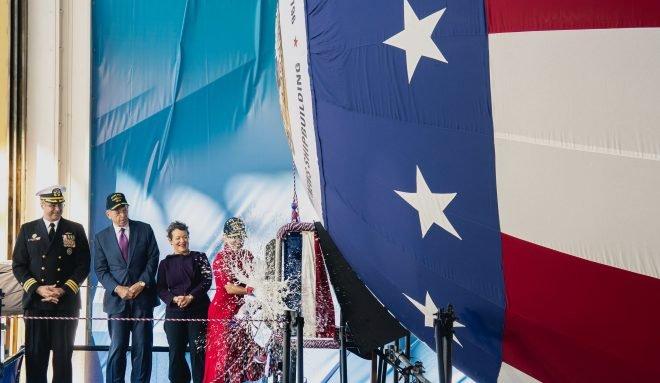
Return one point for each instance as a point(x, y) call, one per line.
point(186, 123)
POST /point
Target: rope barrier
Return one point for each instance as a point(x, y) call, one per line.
point(100, 287)
point(317, 343)
point(212, 320)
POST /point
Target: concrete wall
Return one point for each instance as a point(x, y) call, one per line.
point(58, 114)
point(58, 107)
point(4, 123)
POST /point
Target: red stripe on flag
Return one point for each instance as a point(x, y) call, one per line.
point(541, 15)
point(570, 320)
point(325, 309)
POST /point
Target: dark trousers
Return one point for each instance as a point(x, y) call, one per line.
point(42, 336)
point(142, 338)
point(182, 337)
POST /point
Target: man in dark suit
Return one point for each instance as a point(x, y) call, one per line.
point(126, 259)
point(50, 260)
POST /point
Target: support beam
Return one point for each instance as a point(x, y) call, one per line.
point(286, 352)
point(343, 367)
point(300, 368)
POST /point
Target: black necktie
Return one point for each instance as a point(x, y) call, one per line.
point(51, 232)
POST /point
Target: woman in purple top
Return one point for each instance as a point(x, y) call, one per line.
point(183, 280)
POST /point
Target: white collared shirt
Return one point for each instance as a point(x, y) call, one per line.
point(127, 231)
point(47, 223)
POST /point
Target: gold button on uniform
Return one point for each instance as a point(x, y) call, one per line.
point(43, 256)
point(43, 280)
point(43, 268)
point(58, 269)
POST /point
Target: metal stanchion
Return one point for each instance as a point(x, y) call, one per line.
point(379, 369)
point(407, 353)
point(343, 367)
point(395, 350)
point(2, 329)
point(286, 352)
point(444, 332)
point(300, 324)
point(401, 364)
point(383, 367)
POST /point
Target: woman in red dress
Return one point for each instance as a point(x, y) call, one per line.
point(229, 355)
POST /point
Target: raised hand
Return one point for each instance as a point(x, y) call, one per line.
point(235, 290)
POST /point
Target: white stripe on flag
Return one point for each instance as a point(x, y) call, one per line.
point(308, 284)
point(577, 142)
point(510, 374)
point(597, 88)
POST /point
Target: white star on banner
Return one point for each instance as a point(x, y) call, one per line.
point(430, 206)
point(415, 38)
point(429, 310)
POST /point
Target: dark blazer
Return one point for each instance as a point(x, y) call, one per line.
point(112, 269)
point(64, 262)
point(183, 275)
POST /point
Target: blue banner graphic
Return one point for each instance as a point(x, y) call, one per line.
point(186, 123)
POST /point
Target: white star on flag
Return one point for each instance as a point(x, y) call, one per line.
point(429, 310)
point(415, 38)
point(430, 206)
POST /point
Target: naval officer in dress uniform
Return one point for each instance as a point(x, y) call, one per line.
point(51, 260)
